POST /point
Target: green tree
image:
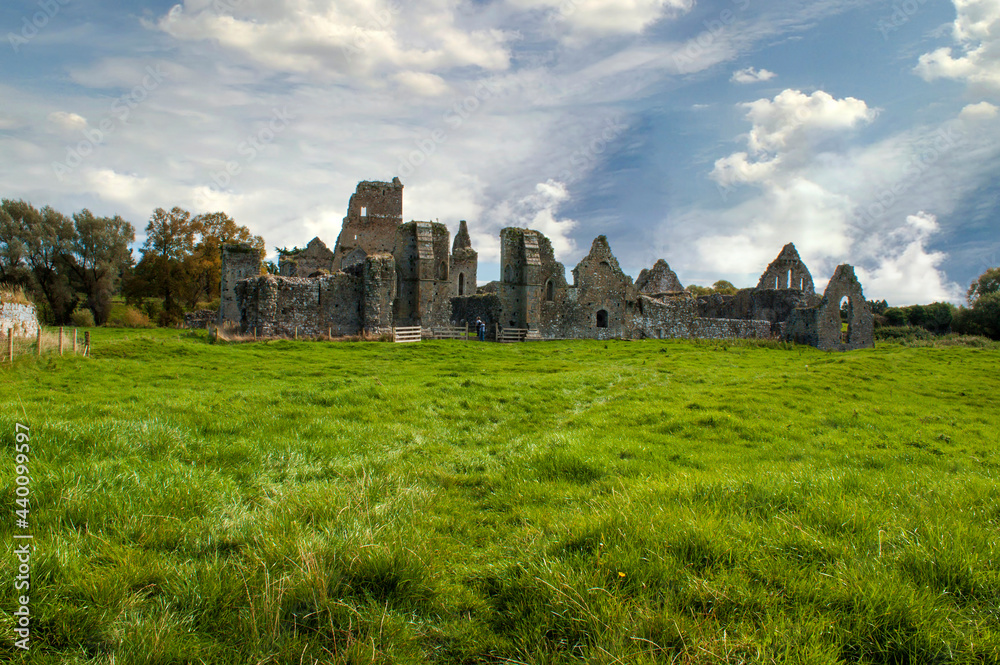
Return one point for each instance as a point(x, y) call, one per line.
point(204, 267)
point(988, 282)
point(170, 242)
point(724, 287)
point(36, 245)
point(100, 255)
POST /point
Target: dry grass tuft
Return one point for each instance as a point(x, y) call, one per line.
point(14, 294)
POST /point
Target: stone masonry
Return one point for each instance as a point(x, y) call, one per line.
point(20, 318)
point(385, 273)
point(373, 213)
point(239, 262)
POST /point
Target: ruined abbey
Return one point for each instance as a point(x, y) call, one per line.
point(384, 273)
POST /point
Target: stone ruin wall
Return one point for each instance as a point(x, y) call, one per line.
point(239, 262)
point(316, 257)
point(19, 318)
point(422, 264)
point(345, 303)
point(419, 284)
point(373, 214)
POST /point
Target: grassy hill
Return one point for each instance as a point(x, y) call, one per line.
point(448, 502)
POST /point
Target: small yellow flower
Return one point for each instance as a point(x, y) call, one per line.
point(621, 574)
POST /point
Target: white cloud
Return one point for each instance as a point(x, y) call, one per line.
point(328, 38)
point(980, 111)
point(67, 122)
point(976, 59)
point(751, 75)
point(907, 272)
point(792, 118)
point(607, 17)
point(538, 211)
point(422, 83)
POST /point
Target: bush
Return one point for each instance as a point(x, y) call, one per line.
point(902, 334)
point(983, 318)
point(127, 317)
point(83, 318)
point(152, 308)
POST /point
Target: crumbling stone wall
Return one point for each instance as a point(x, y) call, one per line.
point(21, 318)
point(464, 263)
point(755, 304)
point(520, 277)
point(239, 262)
point(731, 329)
point(659, 280)
point(465, 310)
point(201, 319)
point(344, 303)
point(663, 318)
point(373, 214)
point(316, 257)
point(424, 288)
point(821, 326)
point(603, 296)
point(787, 272)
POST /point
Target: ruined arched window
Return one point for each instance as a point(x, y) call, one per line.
point(364, 211)
point(506, 273)
point(846, 316)
point(550, 291)
point(461, 284)
point(602, 318)
point(442, 271)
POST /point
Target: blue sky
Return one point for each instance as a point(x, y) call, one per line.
point(707, 134)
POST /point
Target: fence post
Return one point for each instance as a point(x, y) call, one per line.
point(60, 340)
point(74, 341)
point(86, 343)
point(296, 332)
point(38, 341)
point(10, 343)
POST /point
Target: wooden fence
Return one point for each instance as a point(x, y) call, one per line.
point(85, 350)
point(406, 335)
point(508, 335)
point(449, 332)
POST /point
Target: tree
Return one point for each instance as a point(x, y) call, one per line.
point(204, 267)
point(170, 241)
point(724, 287)
point(988, 282)
point(36, 244)
point(100, 255)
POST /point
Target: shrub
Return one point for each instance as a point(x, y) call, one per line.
point(902, 334)
point(128, 317)
point(83, 318)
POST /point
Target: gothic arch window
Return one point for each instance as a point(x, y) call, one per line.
point(442, 271)
point(461, 284)
point(550, 290)
point(602, 318)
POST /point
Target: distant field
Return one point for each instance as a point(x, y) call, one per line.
point(450, 502)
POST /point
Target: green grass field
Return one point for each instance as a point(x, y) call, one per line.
point(449, 502)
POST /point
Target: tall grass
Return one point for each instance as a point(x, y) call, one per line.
point(451, 502)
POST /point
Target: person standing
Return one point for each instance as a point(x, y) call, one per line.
point(481, 329)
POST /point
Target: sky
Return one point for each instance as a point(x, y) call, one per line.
point(708, 134)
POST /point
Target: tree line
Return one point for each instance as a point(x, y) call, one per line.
point(78, 263)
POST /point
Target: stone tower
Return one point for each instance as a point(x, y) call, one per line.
point(373, 214)
point(520, 277)
point(239, 261)
point(423, 296)
point(464, 263)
